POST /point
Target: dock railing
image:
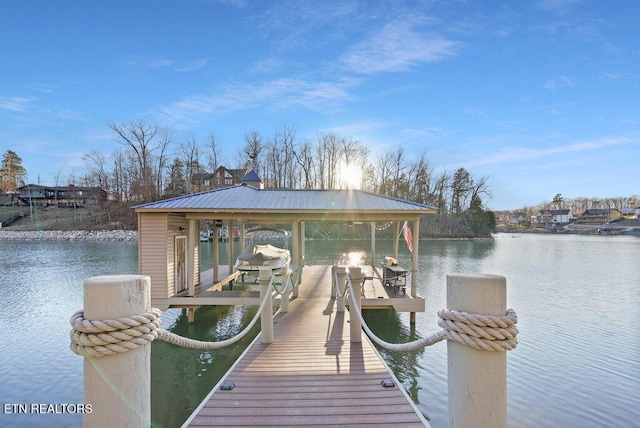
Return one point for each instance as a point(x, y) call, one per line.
point(122, 383)
point(477, 327)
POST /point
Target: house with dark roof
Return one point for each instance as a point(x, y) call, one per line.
point(599, 216)
point(554, 217)
point(62, 196)
point(224, 177)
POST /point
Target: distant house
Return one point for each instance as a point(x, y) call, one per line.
point(628, 213)
point(599, 216)
point(553, 217)
point(63, 196)
point(517, 219)
point(222, 177)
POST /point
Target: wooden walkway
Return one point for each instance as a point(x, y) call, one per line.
point(311, 375)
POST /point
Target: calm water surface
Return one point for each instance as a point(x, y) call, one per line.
point(577, 298)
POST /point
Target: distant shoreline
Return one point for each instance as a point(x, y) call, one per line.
point(69, 235)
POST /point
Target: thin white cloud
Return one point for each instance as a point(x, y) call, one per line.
point(191, 66)
point(559, 82)
point(281, 93)
point(520, 154)
point(398, 46)
point(18, 104)
point(360, 128)
point(141, 62)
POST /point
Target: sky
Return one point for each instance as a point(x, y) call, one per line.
point(541, 96)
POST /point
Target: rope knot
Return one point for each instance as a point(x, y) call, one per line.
point(98, 338)
point(485, 332)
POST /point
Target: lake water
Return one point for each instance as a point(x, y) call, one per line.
point(577, 298)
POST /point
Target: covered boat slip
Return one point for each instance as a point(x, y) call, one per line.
point(168, 239)
point(375, 294)
point(310, 375)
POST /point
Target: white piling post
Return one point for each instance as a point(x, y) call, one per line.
point(334, 268)
point(355, 273)
point(342, 283)
point(266, 318)
point(118, 386)
point(286, 291)
point(477, 380)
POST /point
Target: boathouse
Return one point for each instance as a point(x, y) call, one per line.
point(168, 239)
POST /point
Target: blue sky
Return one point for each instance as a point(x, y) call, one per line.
point(542, 97)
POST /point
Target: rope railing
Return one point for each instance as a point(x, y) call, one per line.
point(291, 281)
point(485, 332)
point(98, 338)
point(340, 293)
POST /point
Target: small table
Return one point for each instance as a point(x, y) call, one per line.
point(395, 276)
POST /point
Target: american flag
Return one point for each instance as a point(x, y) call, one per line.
point(408, 236)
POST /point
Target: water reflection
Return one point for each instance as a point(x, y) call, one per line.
point(388, 326)
point(181, 377)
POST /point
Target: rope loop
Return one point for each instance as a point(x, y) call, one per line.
point(485, 332)
point(97, 338)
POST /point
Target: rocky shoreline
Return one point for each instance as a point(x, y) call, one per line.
point(69, 235)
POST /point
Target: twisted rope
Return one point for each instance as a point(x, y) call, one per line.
point(99, 338)
point(289, 283)
point(339, 293)
point(484, 332)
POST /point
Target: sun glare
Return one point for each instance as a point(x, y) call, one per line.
point(350, 176)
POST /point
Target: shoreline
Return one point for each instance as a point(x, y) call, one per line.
point(69, 235)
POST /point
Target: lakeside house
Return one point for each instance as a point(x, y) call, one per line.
point(220, 178)
point(599, 216)
point(554, 217)
point(62, 196)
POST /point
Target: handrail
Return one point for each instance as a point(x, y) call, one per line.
point(108, 337)
point(486, 332)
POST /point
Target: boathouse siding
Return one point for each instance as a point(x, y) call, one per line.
point(156, 252)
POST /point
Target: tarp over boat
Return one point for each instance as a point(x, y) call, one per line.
point(255, 256)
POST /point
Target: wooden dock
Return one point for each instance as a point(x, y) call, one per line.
point(311, 375)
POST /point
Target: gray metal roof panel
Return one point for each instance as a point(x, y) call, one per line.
point(244, 197)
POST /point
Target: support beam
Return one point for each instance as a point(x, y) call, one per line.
point(414, 264)
point(396, 238)
point(192, 241)
point(216, 253)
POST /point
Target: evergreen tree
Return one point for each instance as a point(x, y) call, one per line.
point(12, 173)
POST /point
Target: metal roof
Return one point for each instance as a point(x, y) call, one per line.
point(249, 199)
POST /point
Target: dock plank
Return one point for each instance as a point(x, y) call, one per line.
point(311, 375)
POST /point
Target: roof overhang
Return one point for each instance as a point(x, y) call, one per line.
point(250, 204)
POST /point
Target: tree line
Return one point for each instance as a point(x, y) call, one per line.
point(577, 205)
point(150, 162)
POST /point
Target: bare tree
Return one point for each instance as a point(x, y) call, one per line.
point(480, 187)
point(214, 153)
point(190, 154)
point(420, 185)
point(140, 138)
point(252, 148)
point(304, 157)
